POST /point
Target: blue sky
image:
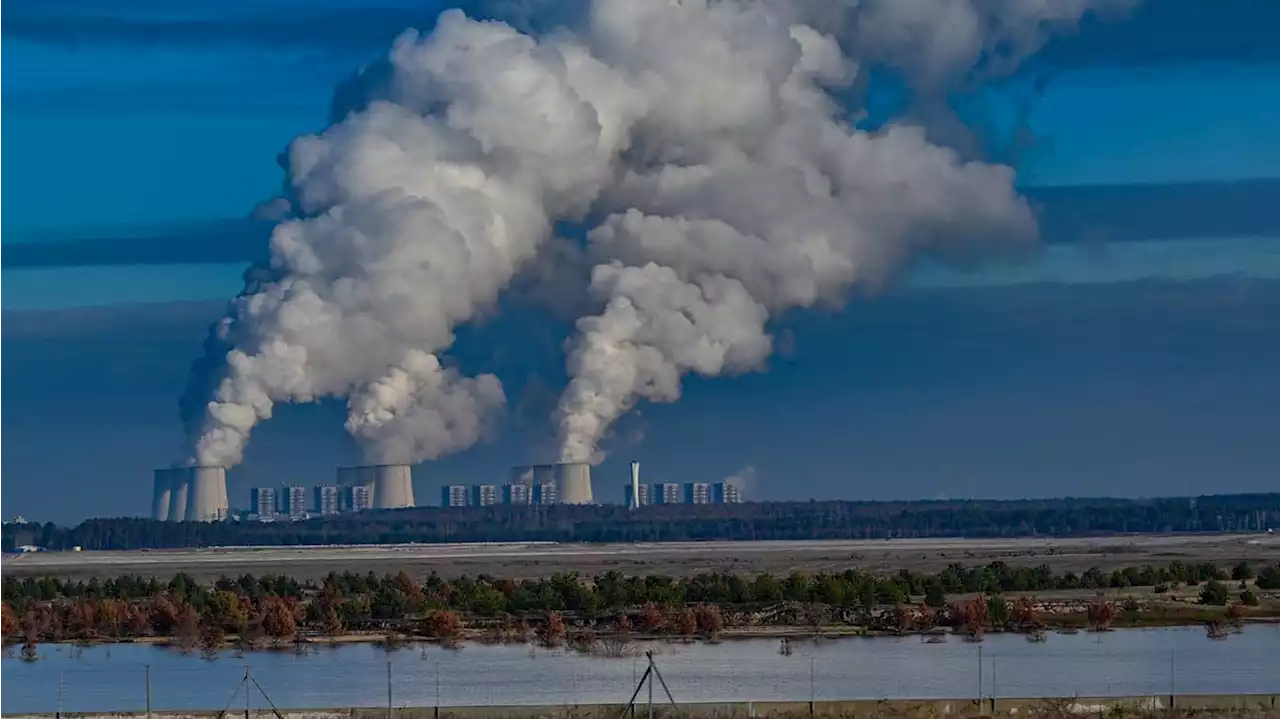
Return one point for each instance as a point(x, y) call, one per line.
point(140, 138)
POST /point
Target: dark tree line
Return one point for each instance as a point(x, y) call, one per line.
point(751, 521)
point(278, 607)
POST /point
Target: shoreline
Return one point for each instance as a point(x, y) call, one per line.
point(395, 640)
point(606, 612)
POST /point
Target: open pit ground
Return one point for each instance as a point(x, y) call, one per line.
point(533, 560)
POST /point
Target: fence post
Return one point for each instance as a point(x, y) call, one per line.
point(979, 677)
point(993, 684)
point(813, 694)
point(148, 691)
point(388, 689)
point(649, 674)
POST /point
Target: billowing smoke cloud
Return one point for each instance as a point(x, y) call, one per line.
point(749, 193)
point(725, 186)
point(747, 479)
point(939, 46)
point(939, 43)
point(413, 212)
point(421, 409)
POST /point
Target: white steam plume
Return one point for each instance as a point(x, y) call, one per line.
point(731, 185)
point(940, 43)
point(749, 193)
point(414, 212)
point(655, 328)
point(445, 411)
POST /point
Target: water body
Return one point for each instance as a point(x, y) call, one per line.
point(1124, 662)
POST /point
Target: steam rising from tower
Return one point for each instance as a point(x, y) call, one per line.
point(749, 192)
point(412, 214)
point(725, 183)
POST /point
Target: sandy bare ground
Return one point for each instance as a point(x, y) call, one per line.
point(529, 560)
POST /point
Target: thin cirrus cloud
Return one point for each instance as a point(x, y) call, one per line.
point(335, 27)
point(1173, 32)
point(1089, 214)
point(199, 242)
point(1157, 31)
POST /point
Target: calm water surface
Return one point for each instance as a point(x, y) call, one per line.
point(1140, 662)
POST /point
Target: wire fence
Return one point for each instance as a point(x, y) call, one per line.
point(139, 677)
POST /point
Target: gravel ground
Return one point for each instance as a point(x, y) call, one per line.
point(526, 560)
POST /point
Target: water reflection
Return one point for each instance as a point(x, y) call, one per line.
point(1126, 662)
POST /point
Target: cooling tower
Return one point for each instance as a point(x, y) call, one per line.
point(161, 495)
point(574, 482)
point(545, 474)
point(392, 486)
point(367, 476)
point(206, 494)
point(522, 475)
point(348, 476)
point(179, 483)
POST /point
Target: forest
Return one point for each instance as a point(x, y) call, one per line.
point(274, 608)
point(748, 521)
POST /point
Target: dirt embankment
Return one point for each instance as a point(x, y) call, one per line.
point(533, 561)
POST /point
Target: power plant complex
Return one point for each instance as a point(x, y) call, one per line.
point(571, 484)
point(571, 481)
point(199, 494)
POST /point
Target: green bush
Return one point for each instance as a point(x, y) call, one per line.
point(934, 595)
point(1242, 571)
point(1269, 578)
point(1249, 598)
point(1214, 592)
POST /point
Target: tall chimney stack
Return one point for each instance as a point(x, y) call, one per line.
point(635, 484)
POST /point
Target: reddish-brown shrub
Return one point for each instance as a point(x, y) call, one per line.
point(552, 630)
point(10, 622)
point(277, 619)
point(1101, 614)
point(442, 625)
point(709, 620)
point(652, 619)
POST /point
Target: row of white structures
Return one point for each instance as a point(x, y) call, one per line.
point(199, 494)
